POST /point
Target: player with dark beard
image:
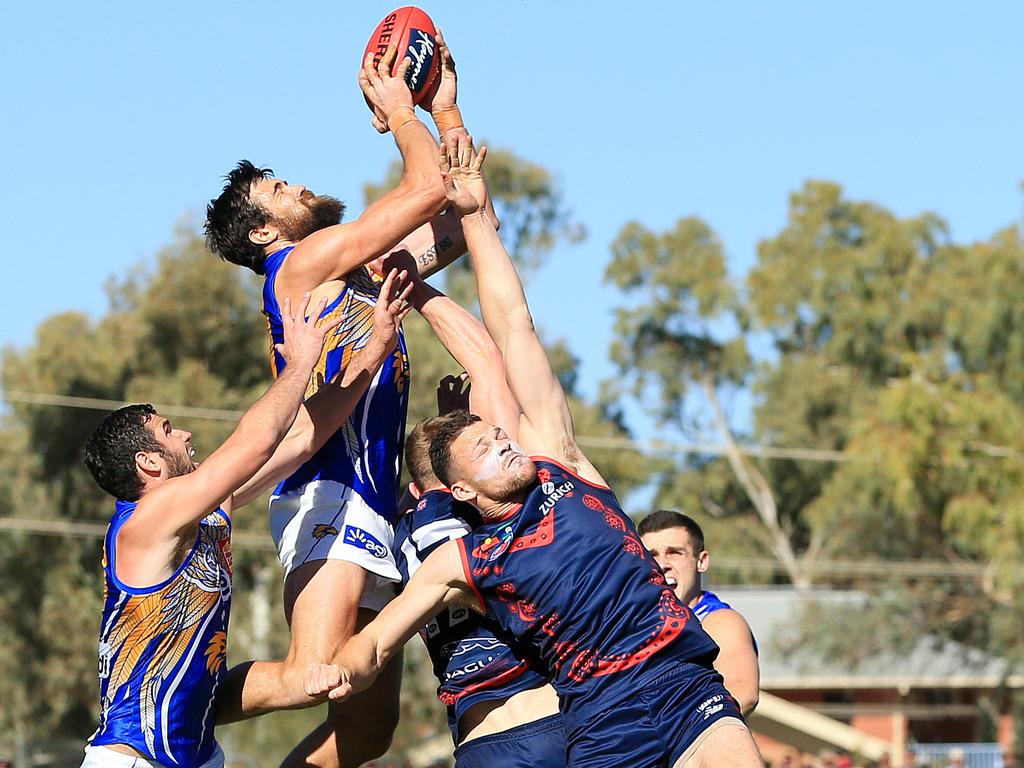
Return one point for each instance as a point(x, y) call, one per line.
point(332, 518)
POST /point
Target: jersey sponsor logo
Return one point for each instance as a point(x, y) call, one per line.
point(323, 530)
point(553, 494)
point(421, 505)
point(470, 644)
point(357, 537)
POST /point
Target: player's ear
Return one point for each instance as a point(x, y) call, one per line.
point(146, 463)
point(703, 562)
point(414, 490)
point(264, 234)
point(462, 492)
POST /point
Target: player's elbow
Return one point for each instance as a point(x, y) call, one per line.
point(748, 699)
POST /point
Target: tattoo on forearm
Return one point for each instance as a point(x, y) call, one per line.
point(430, 255)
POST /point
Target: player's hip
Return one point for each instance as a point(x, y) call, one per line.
point(537, 744)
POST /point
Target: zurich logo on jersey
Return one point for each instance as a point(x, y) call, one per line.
point(357, 537)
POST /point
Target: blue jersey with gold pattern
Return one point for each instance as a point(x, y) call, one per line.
point(366, 453)
point(567, 574)
point(163, 649)
point(473, 659)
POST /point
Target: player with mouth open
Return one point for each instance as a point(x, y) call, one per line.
point(556, 562)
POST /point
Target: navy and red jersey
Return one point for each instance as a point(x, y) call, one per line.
point(567, 574)
point(473, 659)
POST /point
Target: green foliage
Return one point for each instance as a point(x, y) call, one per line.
point(874, 336)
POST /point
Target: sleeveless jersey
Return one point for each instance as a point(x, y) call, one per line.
point(163, 649)
point(366, 453)
point(567, 574)
point(708, 603)
point(473, 659)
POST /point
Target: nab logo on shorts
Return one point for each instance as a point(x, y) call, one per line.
point(357, 537)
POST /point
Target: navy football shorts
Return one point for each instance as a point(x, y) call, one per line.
point(658, 724)
point(540, 744)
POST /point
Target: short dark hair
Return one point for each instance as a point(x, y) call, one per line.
point(669, 518)
point(234, 214)
point(111, 448)
point(417, 452)
point(449, 427)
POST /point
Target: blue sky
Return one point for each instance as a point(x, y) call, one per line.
point(120, 118)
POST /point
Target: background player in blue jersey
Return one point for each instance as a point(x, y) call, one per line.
point(556, 561)
point(500, 710)
point(167, 551)
point(331, 520)
point(677, 542)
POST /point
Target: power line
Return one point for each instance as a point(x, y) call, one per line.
point(584, 441)
point(817, 567)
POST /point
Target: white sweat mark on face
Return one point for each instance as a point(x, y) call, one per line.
point(489, 466)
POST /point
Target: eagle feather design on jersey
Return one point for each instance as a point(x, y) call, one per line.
point(168, 620)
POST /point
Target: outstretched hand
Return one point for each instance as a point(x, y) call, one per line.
point(453, 393)
point(385, 93)
point(304, 335)
point(392, 307)
point(447, 90)
point(464, 183)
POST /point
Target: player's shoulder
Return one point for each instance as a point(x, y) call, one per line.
point(725, 619)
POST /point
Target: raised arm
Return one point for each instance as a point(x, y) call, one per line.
point(173, 508)
point(322, 415)
point(466, 340)
point(440, 581)
point(547, 424)
point(333, 252)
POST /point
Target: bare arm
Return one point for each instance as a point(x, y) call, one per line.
point(737, 660)
point(440, 581)
point(323, 414)
point(547, 426)
point(174, 507)
point(467, 340)
point(333, 252)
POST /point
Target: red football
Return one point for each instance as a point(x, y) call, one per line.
point(411, 31)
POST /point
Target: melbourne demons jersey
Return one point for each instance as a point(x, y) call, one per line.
point(567, 574)
point(366, 453)
point(163, 649)
point(473, 659)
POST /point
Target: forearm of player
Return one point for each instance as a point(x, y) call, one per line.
point(419, 159)
point(255, 688)
point(502, 300)
point(317, 419)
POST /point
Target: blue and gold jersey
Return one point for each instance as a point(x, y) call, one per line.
point(473, 659)
point(567, 574)
point(163, 649)
point(366, 453)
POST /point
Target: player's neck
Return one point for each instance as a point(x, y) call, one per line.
point(496, 511)
point(693, 597)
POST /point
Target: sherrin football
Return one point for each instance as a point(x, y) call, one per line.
point(412, 32)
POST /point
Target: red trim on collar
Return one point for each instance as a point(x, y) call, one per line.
point(564, 468)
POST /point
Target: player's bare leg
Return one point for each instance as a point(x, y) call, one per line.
point(727, 744)
point(356, 730)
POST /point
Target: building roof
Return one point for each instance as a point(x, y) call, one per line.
point(774, 615)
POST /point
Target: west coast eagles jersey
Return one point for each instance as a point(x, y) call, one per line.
point(163, 649)
point(366, 453)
